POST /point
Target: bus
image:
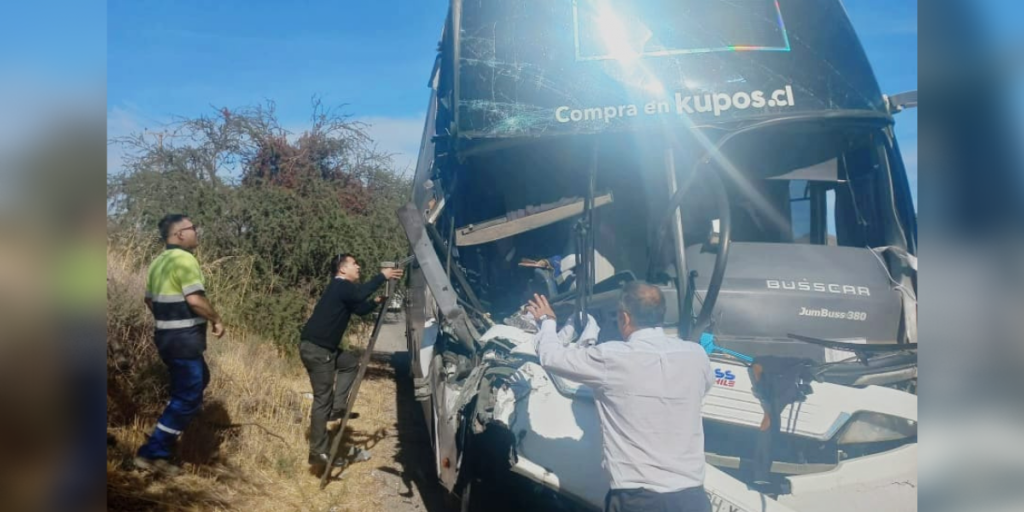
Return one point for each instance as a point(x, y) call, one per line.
point(739, 155)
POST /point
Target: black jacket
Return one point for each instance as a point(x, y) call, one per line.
point(331, 315)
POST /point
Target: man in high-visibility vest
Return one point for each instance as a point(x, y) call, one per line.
point(176, 295)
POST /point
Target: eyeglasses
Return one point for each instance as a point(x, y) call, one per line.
point(192, 228)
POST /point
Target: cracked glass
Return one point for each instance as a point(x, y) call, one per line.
point(546, 67)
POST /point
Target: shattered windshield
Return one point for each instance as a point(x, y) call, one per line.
point(621, 30)
point(530, 67)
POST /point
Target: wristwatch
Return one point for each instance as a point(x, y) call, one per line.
point(544, 317)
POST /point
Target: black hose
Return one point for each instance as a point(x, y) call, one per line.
point(550, 286)
point(721, 258)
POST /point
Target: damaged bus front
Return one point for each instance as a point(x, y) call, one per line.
point(740, 156)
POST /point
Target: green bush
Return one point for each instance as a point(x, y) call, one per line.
point(273, 209)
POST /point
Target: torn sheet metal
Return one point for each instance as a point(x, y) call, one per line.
point(516, 336)
point(556, 433)
point(430, 331)
point(885, 482)
point(446, 425)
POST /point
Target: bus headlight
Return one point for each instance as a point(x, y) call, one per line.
point(873, 427)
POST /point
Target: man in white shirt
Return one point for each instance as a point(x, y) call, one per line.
point(649, 390)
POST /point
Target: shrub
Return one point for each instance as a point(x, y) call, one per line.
point(273, 208)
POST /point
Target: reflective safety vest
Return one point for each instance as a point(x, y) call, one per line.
point(180, 332)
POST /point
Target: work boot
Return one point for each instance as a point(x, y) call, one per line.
point(321, 460)
point(162, 466)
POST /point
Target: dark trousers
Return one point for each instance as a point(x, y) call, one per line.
point(643, 500)
point(331, 373)
point(189, 378)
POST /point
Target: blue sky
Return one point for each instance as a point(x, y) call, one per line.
point(55, 41)
point(181, 57)
point(52, 65)
point(178, 58)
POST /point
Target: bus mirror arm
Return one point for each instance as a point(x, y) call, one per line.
point(899, 102)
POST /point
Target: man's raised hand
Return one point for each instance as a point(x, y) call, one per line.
point(393, 273)
point(539, 307)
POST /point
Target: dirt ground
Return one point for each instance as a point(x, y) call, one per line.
point(247, 450)
point(400, 476)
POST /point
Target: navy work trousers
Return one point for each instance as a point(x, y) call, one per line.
point(189, 378)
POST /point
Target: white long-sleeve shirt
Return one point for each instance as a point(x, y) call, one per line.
point(648, 392)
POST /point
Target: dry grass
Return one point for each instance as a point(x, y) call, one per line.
point(247, 450)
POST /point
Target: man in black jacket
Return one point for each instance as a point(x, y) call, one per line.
point(331, 370)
